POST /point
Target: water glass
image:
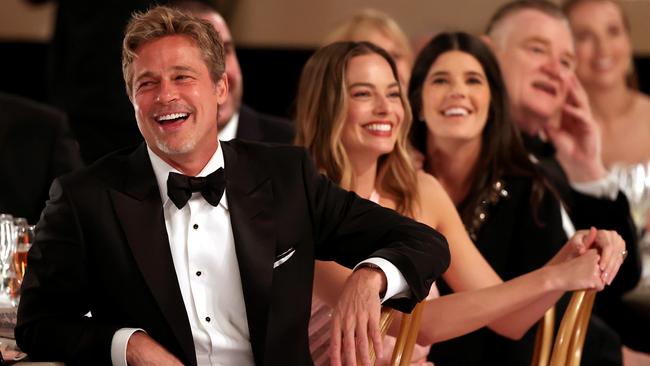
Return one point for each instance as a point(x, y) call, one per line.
point(7, 249)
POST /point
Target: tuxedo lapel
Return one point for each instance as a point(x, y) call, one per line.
point(140, 213)
point(544, 154)
point(250, 198)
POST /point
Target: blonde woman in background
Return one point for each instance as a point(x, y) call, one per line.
point(376, 27)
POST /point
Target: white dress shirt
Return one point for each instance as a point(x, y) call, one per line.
point(203, 252)
point(229, 131)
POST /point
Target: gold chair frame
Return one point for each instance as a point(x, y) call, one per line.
point(408, 334)
point(567, 350)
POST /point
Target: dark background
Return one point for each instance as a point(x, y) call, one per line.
point(270, 74)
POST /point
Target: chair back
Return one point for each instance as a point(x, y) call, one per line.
point(544, 339)
point(408, 333)
point(567, 350)
point(385, 320)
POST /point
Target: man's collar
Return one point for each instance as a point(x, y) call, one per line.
point(161, 170)
point(229, 131)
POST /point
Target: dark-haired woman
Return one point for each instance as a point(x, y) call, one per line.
point(472, 148)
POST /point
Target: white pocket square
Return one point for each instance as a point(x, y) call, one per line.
point(283, 257)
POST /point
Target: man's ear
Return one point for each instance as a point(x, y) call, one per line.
point(487, 40)
point(221, 88)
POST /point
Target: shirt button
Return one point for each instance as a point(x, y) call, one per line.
point(207, 319)
point(198, 273)
point(196, 226)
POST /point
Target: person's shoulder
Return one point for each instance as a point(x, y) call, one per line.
point(642, 106)
point(265, 150)
point(28, 113)
point(106, 171)
point(246, 112)
point(644, 99)
point(272, 128)
point(428, 186)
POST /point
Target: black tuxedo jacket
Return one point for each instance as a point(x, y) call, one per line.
point(36, 146)
point(586, 211)
point(255, 126)
point(102, 246)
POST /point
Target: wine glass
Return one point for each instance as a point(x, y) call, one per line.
point(7, 248)
point(634, 181)
point(24, 239)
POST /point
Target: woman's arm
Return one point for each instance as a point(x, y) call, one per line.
point(460, 313)
point(329, 278)
point(510, 314)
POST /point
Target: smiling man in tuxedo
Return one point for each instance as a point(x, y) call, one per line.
point(191, 251)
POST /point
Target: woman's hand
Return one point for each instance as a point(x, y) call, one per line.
point(580, 273)
point(609, 245)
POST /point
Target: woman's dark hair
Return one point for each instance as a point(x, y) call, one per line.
point(502, 150)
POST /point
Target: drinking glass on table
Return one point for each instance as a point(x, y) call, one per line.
point(7, 248)
point(24, 239)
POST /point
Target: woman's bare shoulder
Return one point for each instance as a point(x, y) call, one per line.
point(431, 192)
point(640, 115)
point(428, 185)
point(642, 103)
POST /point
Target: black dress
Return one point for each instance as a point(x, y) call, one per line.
point(514, 244)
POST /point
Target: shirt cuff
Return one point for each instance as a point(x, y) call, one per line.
point(119, 343)
point(396, 285)
point(601, 188)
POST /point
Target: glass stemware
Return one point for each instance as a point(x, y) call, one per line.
point(634, 181)
point(7, 249)
point(24, 240)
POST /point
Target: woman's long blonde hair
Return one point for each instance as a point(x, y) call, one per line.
point(321, 110)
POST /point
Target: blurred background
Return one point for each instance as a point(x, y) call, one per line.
point(273, 38)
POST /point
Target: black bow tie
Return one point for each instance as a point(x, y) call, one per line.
point(180, 187)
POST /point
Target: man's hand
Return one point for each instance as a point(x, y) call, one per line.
point(142, 350)
point(355, 319)
point(577, 139)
